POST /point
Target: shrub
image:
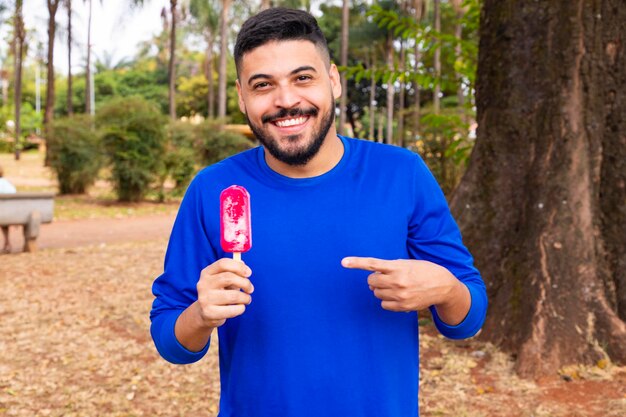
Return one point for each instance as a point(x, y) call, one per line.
point(179, 162)
point(134, 141)
point(214, 143)
point(75, 154)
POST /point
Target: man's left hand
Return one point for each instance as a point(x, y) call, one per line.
point(411, 285)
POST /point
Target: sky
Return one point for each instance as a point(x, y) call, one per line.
point(116, 29)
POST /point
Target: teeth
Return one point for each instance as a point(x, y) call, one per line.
point(291, 122)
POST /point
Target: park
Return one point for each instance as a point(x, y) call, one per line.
point(517, 108)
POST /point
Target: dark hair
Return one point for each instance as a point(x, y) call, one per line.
point(279, 24)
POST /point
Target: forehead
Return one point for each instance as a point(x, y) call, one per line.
point(276, 57)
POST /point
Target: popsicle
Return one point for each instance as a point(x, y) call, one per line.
point(235, 223)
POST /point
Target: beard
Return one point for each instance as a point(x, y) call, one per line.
point(301, 155)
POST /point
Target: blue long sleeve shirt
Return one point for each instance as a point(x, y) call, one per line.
point(315, 341)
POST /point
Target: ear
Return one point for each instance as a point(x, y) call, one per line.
point(242, 105)
point(335, 81)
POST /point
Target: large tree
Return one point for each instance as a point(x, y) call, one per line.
point(542, 203)
point(221, 77)
point(53, 6)
point(19, 37)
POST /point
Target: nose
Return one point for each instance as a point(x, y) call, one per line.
point(286, 97)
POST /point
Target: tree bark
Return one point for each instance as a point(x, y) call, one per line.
point(208, 73)
point(390, 89)
point(345, 22)
point(88, 91)
point(70, 105)
point(222, 76)
point(541, 205)
point(418, 9)
point(20, 35)
point(171, 68)
point(53, 6)
point(458, 34)
point(372, 107)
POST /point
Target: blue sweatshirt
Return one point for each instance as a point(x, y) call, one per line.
point(315, 341)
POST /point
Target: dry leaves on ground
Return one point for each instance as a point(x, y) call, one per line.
point(74, 337)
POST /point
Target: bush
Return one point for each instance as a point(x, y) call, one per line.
point(134, 141)
point(75, 154)
point(179, 162)
point(214, 143)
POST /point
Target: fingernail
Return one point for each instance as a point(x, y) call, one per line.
point(345, 262)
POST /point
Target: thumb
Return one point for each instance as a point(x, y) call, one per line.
point(368, 264)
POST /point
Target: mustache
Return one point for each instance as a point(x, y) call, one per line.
point(295, 112)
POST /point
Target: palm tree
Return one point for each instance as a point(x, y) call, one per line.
point(53, 6)
point(88, 92)
point(70, 107)
point(419, 10)
point(221, 92)
point(345, 25)
point(205, 13)
point(457, 5)
point(172, 62)
point(20, 35)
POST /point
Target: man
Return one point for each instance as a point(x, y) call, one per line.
point(351, 238)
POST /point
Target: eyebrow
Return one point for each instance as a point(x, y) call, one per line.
point(269, 77)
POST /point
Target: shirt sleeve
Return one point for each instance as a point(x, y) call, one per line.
point(434, 236)
point(189, 251)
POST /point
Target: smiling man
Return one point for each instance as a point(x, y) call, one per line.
point(352, 238)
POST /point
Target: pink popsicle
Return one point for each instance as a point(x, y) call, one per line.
point(235, 220)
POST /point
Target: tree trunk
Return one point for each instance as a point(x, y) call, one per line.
point(390, 90)
point(70, 106)
point(458, 34)
point(208, 73)
point(53, 6)
point(20, 35)
point(372, 132)
point(171, 69)
point(343, 106)
point(418, 8)
point(265, 4)
point(443, 140)
point(88, 92)
point(222, 76)
point(401, 97)
point(541, 205)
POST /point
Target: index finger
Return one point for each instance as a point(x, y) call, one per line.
point(229, 265)
point(368, 264)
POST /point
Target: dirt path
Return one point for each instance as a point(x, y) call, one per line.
point(73, 233)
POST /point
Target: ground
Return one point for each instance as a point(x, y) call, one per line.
point(74, 334)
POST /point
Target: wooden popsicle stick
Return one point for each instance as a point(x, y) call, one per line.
point(237, 256)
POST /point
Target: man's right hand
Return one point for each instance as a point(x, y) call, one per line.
point(224, 290)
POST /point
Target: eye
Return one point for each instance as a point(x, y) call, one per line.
point(261, 85)
point(304, 78)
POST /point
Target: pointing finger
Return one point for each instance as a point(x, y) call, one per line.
point(368, 264)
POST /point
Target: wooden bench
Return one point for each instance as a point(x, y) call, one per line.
point(29, 210)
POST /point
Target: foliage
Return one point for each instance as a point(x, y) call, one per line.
point(75, 154)
point(444, 138)
point(179, 161)
point(214, 143)
point(134, 139)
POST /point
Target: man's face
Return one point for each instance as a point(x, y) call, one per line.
point(287, 92)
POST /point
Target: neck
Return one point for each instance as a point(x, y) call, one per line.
point(327, 158)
